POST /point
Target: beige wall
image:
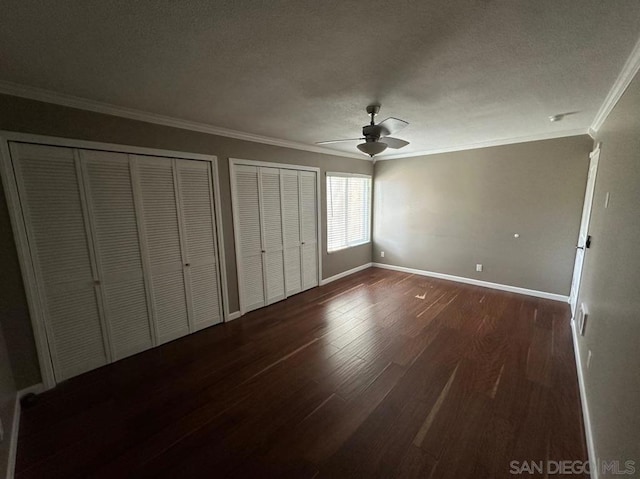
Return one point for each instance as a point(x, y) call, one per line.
point(444, 213)
point(27, 116)
point(611, 287)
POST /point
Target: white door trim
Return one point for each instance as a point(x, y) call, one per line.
point(233, 162)
point(20, 235)
point(588, 199)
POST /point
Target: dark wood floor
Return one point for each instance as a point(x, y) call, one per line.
point(359, 378)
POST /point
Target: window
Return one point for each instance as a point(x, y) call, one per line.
point(348, 210)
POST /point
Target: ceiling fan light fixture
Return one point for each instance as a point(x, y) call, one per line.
point(372, 147)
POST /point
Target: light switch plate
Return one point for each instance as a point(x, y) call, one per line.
point(583, 314)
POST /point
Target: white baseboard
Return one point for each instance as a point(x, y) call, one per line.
point(591, 450)
point(234, 315)
point(335, 277)
point(476, 282)
point(35, 389)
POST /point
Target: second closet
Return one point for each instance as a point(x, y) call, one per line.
point(276, 229)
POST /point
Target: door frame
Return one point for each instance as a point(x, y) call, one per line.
point(233, 162)
point(36, 311)
point(594, 158)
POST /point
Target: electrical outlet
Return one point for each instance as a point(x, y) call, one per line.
point(478, 267)
point(382, 254)
point(589, 359)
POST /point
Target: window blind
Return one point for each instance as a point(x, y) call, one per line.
point(348, 210)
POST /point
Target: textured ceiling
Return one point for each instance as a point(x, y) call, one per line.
point(461, 72)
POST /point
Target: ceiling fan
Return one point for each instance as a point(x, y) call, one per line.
point(377, 137)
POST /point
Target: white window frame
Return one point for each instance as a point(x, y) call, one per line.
point(369, 212)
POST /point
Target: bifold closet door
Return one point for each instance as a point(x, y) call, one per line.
point(162, 233)
point(309, 228)
point(291, 230)
point(249, 235)
point(199, 233)
point(273, 259)
point(50, 189)
point(114, 227)
point(276, 221)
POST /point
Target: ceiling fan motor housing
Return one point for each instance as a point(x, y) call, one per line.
point(371, 132)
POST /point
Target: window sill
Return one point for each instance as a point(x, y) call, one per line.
point(348, 247)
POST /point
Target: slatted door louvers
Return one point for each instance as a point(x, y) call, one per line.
point(123, 248)
point(276, 227)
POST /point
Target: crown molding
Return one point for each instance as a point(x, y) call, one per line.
point(71, 101)
point(628, 72)
point(48, 96)
point(487, 144)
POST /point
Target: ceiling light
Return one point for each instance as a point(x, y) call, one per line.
point(372, 147)
point(555, 118)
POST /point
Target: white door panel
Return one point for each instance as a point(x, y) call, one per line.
point(309, 229)
point(249, 237)
point(196, 204)
point(291, 230)
point(271, 220)
point(51, 198)
point(114, 226)
point(159, 206)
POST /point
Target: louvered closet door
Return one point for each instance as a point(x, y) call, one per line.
point(247, 210)
point(309, 228)
point(196, 205)
point(50, 195)
point(291, 230)
point(161, 230)
point(114, 225)
point(271, 203)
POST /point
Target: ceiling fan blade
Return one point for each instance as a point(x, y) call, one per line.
point(394, 142)
point(391, 125)
point(337, 141)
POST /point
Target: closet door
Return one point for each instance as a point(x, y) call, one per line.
point(291, 231)
point(309, 228)
point(161, 229)
point(50, 192)
point(273, 260)
point(114, 226)
point(199, 231)
point(249, 242)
